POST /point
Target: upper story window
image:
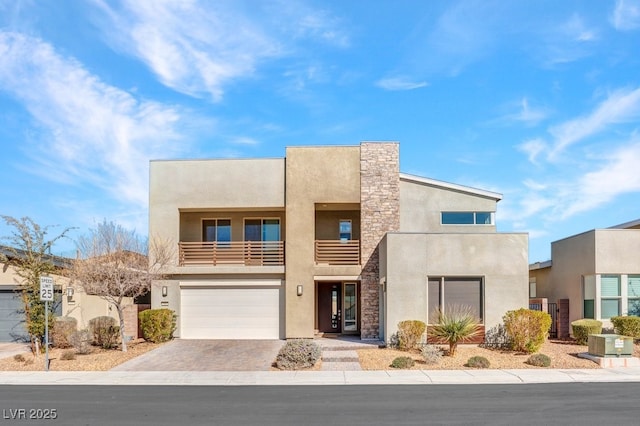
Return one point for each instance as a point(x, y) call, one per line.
point(345, 229)
point(467, 218)
point(216, 230)
point(262, 229)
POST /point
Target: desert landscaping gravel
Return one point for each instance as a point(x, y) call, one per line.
point(563, 355)
point(98, 360)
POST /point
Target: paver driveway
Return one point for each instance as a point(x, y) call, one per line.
point(207, 355)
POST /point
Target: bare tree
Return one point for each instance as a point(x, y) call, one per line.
point(112, 263)
point(29, 252)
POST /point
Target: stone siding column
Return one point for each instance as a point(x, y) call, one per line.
point(379, 214)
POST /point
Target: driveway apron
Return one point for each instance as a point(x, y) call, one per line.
point(207, 355)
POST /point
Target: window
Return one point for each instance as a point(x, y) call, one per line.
point(467, 218)
point(262, 229)
point(216, 230)
point(610, 293)
point(443, 292)
point(350, 307)
point(633, 295)
point(345, 230)
point(589, 296)
point(532, 287)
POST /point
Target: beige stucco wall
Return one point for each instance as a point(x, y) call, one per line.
point(191, 222)
point(571, 258)
point(421, 206)
point(313, 175)
point(600, 251)
point(542, 277)
point(207, 185)
point(81, 306)
point(617, 251)
point(410, 258)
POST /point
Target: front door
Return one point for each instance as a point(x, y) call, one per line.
point(329, 307)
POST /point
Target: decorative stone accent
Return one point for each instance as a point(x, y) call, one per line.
point(379, 214)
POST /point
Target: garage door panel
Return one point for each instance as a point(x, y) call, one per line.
point(12, 325)
point(230, 313)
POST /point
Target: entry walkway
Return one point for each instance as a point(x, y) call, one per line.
point(339, 353)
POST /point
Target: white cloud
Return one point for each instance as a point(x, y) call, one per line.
point(244, 140)
point(533, 148)
point(619, 107)
point(199, 47)
point(193, 47)
point(618, 175)
point(89, 132)
point(566, 42)
point(400, 83)
point(626, 15)
point(524, 113)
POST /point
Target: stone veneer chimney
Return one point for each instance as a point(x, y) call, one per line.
point(379, 214)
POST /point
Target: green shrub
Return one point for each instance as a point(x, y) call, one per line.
point(527, 329)
point(104, 332)
point(297, 354)
point(68, 355)
point(19, 358)
point(627, 326)
point(431, 354)
point(582, 328)
point(63, 328)
point(455, 324)
point(539, 360)
point(157, 325)
point(403, 362)
point(478, 362)
point(410, 333)
point(81, 341)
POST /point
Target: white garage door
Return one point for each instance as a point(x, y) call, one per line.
point(230, 313)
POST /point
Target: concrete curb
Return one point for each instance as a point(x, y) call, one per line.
point(268, 378)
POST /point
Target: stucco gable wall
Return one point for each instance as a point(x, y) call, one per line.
point(422, 204)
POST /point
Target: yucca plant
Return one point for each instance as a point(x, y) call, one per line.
point(454, 324)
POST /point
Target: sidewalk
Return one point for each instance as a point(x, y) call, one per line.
point(267, 378)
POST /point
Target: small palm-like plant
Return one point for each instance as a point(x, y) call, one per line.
point(454, 324)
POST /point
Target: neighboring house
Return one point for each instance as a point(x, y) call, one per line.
point(69, 300)
point(330, 239)
point(598, 271)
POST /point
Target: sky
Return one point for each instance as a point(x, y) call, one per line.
point(536, 100)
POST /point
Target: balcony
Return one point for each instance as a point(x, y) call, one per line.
point(244, 253)
point(337, 252)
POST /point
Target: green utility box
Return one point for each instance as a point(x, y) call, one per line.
point(610, 345)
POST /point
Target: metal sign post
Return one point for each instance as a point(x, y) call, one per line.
point(46, 295)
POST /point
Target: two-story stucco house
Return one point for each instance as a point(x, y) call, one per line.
point(330, 239)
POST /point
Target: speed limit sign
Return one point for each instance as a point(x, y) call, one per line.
point(46, 289)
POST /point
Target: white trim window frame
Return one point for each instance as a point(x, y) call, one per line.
point(610, 296)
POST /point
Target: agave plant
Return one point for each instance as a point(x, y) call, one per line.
point(454, 324)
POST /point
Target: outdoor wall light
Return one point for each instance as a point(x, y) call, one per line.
point(69, 292)
point(164, 291)
point(299, 290)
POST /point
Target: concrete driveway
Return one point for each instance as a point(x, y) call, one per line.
point(7, 350)
point(207, 355)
